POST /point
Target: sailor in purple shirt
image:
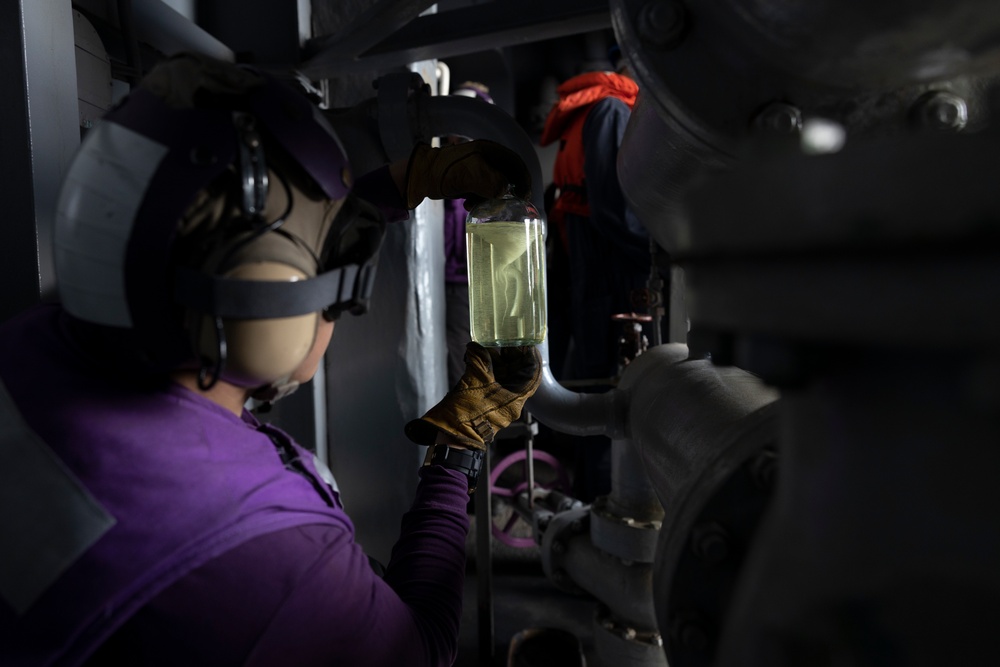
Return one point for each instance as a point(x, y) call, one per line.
point(209, 234)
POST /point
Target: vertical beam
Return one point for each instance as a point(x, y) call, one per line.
point(39, 132)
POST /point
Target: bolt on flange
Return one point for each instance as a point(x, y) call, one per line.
point(779, 118)
point(941, 110)
point(661, 23)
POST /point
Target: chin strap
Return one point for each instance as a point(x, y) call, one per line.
point(205, 380)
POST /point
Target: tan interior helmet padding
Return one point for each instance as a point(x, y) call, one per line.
point(263, 351)
point(308, 223)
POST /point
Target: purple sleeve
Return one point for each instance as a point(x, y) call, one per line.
point(308, 596)
point(378, 188)
point(348, 615)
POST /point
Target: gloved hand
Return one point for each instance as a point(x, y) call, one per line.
point(475, 170)
point(488, 397)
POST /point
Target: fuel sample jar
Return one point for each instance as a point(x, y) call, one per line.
point(506, 263)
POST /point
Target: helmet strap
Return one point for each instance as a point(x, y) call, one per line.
point(211, 370)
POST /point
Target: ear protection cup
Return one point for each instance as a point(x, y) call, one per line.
point(262, 351)
point(265, 351)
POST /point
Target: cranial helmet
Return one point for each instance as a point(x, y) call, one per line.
point(208, 218)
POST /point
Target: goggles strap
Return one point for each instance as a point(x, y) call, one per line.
point(344, 288)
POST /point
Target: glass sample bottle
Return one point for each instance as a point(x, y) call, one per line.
point(506, 259)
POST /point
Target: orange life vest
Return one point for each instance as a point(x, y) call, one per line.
point(565, 123)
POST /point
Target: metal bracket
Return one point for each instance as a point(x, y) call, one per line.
point(398, 114)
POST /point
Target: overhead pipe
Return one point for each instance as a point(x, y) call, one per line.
point(168, 31)
point(440, 116)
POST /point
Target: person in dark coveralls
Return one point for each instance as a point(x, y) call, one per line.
point(209, 233)
point(602, 245)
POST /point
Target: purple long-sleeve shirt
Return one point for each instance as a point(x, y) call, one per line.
point(220, 554)
point(307, 596)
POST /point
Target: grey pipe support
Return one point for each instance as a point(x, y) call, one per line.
point(626, 590)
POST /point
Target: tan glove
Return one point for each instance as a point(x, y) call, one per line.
point(488, 397)
point(475, 170)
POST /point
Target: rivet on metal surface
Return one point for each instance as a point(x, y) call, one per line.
point(940, 110)
point(764, 469)
point(710, 543)
point(661, 23)
point(779, 118)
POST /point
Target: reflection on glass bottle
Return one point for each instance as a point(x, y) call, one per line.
point(506, 273)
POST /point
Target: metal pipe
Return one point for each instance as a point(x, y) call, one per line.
point(476, 119)
point(680, 413)
point(632, 494)
point(626, 590)
point(575, 413)
point(162, 27)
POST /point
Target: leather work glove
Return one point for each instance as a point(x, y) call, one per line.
point(475, 170)
point(488, 397)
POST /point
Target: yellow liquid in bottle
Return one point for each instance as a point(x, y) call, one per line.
point(506, 283)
